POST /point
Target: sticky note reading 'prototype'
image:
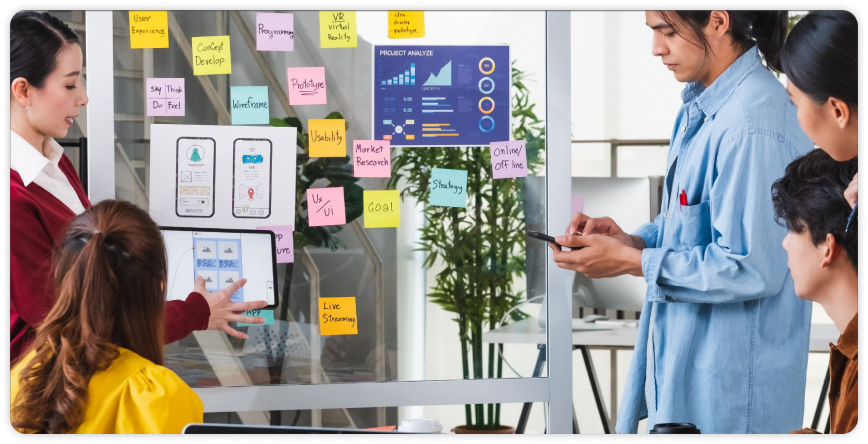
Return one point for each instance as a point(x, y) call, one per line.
point(212, 55)
point(448, 188)
point(337, 316)
point(382, 208)
point(149, 29)
point(372, 158)
point(327, 137)
point(406, 24)
point(307, 86)
point(274, 31)
point(283, 240)
point(337, 29)
point(508, 159)
point(325, 206)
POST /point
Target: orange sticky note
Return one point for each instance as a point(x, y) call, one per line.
point(149, 29)
point(337, 316)
point(406, 24)
point(327, 137)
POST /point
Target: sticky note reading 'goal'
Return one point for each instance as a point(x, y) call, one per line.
point(382, 208)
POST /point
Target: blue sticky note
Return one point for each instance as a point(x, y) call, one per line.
point(448, 188)
point(267, 314)
point(249, 105)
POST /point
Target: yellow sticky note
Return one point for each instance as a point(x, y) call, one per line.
point(327, 137)
point(149, 29)
point(337, 316)
point(212, 55)
point(382, 208)
point(406, 24)
point(337, 29)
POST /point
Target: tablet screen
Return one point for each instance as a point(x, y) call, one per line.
point(221, 257)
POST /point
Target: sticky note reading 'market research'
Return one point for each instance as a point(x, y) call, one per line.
point(337, 29)
point(283, 239)
point(406, 24)
point(274, 32)
point(249, 105)
point(382, 208)
point(337, 316)
point(448, 188)
point(327, 137)
point(211, 55)
point(307, 86)
point(149, 29)
point(325, 206)
point(508, 159)
point(372, 158)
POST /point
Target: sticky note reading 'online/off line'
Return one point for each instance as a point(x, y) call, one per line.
point(165, 97)
point(325, 206)
point(372, 158)
point(249, 105)
point(212, 55)
point(448, 188)
point(337, 316)
point(327, 137)
point(149, 29)
point(307, 86)
point(267, 314)
point(577, 203)
point(382, 208)
point(337, 29)
point(508, 159)
point(406, 24)
point(283, 241)
point(274, 31)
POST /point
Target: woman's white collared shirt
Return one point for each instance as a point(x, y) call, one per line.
point(33, 167)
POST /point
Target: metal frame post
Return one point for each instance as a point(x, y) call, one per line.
point(99, 60)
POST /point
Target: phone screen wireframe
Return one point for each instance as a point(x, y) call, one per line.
point(251, 178)
point(195, 168)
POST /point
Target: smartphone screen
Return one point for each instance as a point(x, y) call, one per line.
point(251, 178)
point(194, 177)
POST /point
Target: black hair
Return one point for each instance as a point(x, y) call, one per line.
point(37, 38)
point(765, 29)
point(811, 196)
point(821, 56)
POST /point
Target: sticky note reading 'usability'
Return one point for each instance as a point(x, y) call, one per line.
point(283, 241)
point(337, 316)
point(337, 29)
point(508, 159)
point(249, 105)
point(406, 24)
point(149, 29)
point(165, 97)
point(382, 208)
point(372, 158)
point(212, 55)
point(326, 137)
point(307, 86)
point(267, 314)
point(577, 204)
point(325, 206)
point(274, 31)
point(448, 188)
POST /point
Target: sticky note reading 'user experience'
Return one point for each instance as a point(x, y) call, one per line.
point(274, 31)
point(149, 29)
point(508, 159)
point(382, 208)
point(337, 316)
point(372, 158)
point(337, 29)
point(307, 86)
point(267, 314)
point(212, 55)
point(406, 24)
point(283, 240)
point(325, 206)
point(326, 137)
point(165, 97)
point(448, 188)
point(249, 105)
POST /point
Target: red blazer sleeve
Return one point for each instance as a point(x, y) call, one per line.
point(180, 318)
point(31, 251)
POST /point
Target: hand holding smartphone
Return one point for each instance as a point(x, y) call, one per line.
point(549, 239)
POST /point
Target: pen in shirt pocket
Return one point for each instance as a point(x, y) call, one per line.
point(683, 198)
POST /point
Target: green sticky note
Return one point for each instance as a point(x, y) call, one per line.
point(267, 314)
point(249, 105)
point(448, 188)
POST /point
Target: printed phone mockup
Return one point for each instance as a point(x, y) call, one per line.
point(194, 177)
point(251, 178)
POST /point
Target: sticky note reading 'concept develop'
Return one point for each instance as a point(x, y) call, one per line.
point(307, 86)
point(577, 204)
point(406, 24)
point(508, 159)
point(249, 105)
point(337, 29)
point(448, 188)
point(337, 316)
point(149, 29)
point(267, 314)
point(212, 55)
point(165, 97)
point(325, 206)
point(274, 31)
point(283, 241)
point(372, 158)
point(326, 137)
point(382, 208)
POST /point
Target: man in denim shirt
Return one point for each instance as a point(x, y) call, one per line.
point(723, 339)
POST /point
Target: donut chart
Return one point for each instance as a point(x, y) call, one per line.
point(486, 100)
point(486, 124)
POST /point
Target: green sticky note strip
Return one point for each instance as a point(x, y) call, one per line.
point(267, 314)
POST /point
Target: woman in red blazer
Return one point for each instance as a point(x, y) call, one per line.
point(45, 193)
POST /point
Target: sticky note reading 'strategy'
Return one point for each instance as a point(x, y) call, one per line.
point(149, 29)
point(274, 31)
point(327, 137)
point(325, 206)
point(249, 105)
point(448, 188)
point(406, 24)
point(337, 316)
point(212, 55)
point(165, 97)
point(283, 239)
point(382, 208)
point(372, 158)
point(508, 159)
point(307, 86)
point(337, 29)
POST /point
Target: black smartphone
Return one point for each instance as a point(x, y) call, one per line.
point(549, 239)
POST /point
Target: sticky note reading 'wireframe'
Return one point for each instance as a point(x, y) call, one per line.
point(212, 55)
point(307, 86)
point(382, 208)
point(249, 105)
point(327, 137)
point(325, 206)
point(267, 314)
point(283, 240)
point(372, 158)
point(508, 159)
point(337, 29)
point(406, 24)
point(165, 97)
point(274, 32)
point(448, 188)
point(149, 29)
point(337, 316)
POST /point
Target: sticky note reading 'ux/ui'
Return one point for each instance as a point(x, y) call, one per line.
point(337, 29)
point(267, 314)
point(307, 86)
point(372, 158)
point(325, 206)
point(165, 97)
point(337, 316)
point(448, 188)
point(283, 243)
point(274, 31)
point(149, 29)
point(508, 159)
point(406, 24)
point(326, 137)
point(382, 208)
point(249, 105)
point(211, 55)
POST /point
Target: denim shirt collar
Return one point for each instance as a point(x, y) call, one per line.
point(710, 99)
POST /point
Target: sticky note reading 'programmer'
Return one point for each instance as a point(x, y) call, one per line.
point(337, 29)
point(337, 316)
point(249, 105)
point(325, 206)
point(372, 158)
point(307, 86)
point(165, 97)
point(283, 240)
point(211, 55)
point(406, 24)
point(382, 208)
point(448, 188)
point(274, 32)
point(327, 137)
point(149, 29)
point(508, 159)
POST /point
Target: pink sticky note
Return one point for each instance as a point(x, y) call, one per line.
point(578, 204)
point(508, 159)
point(165, 97)
point(372, 158)
point(283, 243)
point(307, 86)
point(325, 206)
point(274, 32)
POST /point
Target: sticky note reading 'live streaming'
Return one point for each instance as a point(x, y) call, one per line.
point(267, 314)
point(382, 208)
point(372, 158)
point(448, 188)
point(274, 32)
point(249, 105)
point(283, 240)
point(165, 97)
point(325, 206)
point(337, 316)
point(406, 24)
point(327, 137)
point(508, 159)
point(149, 29)
point(337, 29)
point(307, 86)
point(212, 55)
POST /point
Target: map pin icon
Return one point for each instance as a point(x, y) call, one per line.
point(250, 193)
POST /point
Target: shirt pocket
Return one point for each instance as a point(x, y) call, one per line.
point(692, 226)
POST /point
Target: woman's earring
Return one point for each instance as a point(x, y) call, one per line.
point(27, 108)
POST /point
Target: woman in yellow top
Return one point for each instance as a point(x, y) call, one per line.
point(95, 365)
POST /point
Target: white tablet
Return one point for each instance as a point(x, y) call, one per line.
point(221, 257)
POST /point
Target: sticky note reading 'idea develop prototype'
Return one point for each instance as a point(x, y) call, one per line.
point(337, 316)
point(212, 55)
point(326, 137)
point(406, 24)
point(274, 32)
point(325, 206)
point(448, 188)
point(283, 240)
point(337, 29)
point(307, 86)
point(372, 158)
point(149, 29)
point(382, 208)
point(508, 159)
